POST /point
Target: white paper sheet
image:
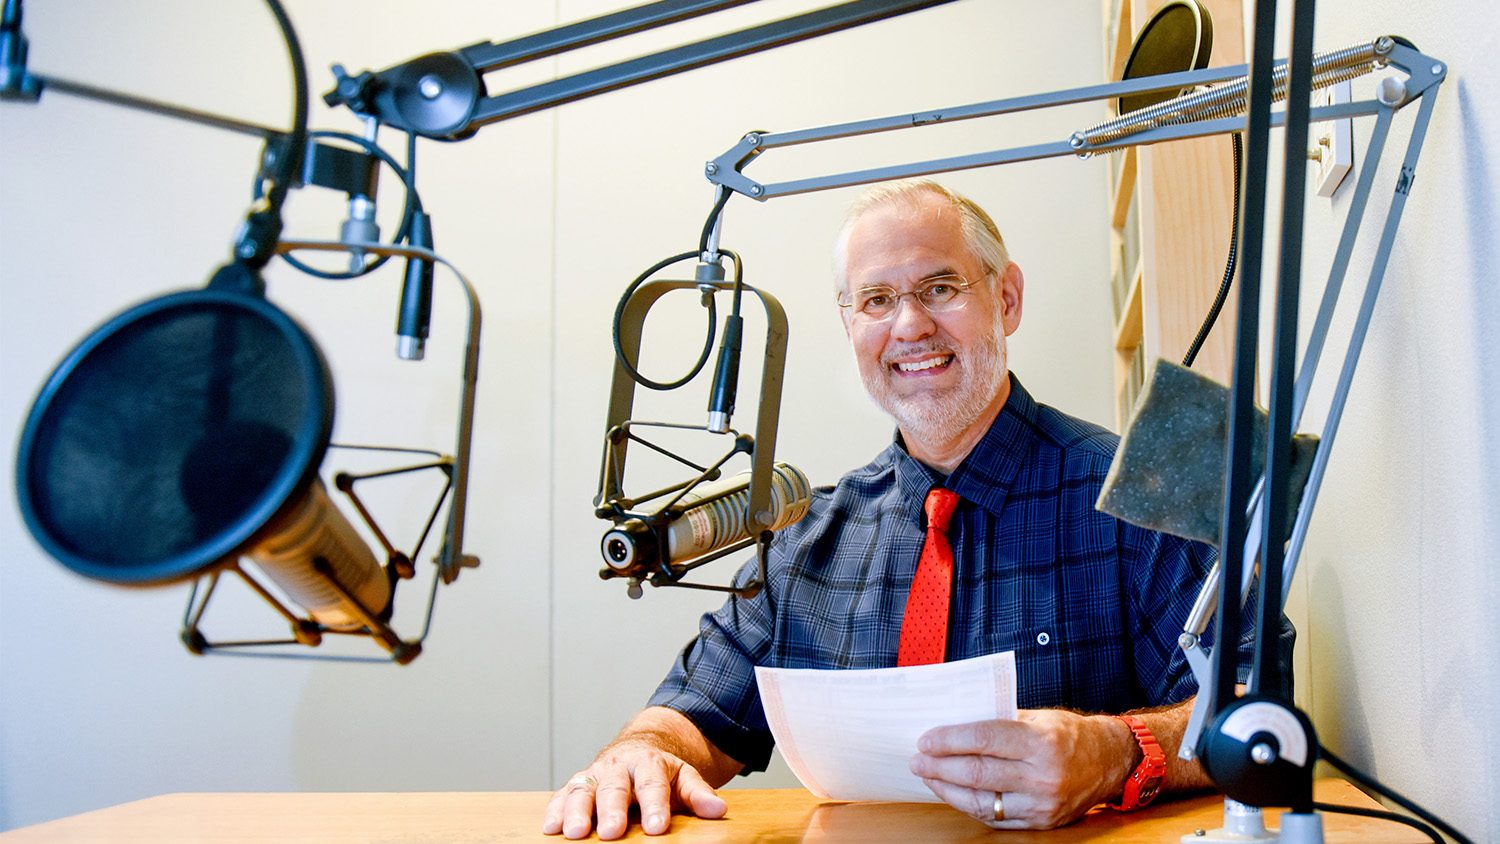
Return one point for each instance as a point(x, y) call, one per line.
point(850, 735)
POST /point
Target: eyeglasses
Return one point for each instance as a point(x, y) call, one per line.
point(937, 294)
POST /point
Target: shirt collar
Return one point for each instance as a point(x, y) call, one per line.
point(914, 480)
point(986, 474)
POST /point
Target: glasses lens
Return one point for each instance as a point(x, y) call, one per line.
point(876, 302)
point(941, 293)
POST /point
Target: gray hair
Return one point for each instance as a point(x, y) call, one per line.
point(980, 233)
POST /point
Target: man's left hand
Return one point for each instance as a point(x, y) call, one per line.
point(1049, 766)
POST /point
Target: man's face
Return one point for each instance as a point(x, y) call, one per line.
point(939, 374)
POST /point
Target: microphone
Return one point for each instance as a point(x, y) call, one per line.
point(416, 295)
point(703, 521)
point(704, 518)
point(218, 480)
point(184, 436)
point(308, 543)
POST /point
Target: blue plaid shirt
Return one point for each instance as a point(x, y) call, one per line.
point(1091, 605)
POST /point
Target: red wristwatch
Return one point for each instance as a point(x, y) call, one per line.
point(1144, 783)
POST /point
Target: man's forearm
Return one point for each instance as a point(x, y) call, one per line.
point(671, 731)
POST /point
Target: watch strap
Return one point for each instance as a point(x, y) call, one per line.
point(1144, 782)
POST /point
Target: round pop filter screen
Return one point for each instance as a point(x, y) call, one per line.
point(1179, 37)
point(171, 435)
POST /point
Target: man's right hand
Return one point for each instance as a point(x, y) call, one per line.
point(626, 773)
point(636, 769)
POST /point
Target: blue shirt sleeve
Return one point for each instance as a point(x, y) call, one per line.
point(1168, 573)
point(712, 682)
point(1164, 574)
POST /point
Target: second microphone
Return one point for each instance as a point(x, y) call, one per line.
point(708, 519)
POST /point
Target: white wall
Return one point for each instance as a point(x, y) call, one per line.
point(1397, 589)
point(533, 662)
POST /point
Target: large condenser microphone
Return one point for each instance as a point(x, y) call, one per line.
point(710, 518)
point(312, 548)
point(307, 548)
point(186, 433)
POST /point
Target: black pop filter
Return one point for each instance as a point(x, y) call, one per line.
point(1178, 38)
point(172, 435)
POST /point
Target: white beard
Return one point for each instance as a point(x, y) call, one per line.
point(928, 418)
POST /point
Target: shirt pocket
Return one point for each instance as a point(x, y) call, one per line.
point(1075, 662)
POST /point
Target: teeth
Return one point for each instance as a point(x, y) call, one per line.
point(924, 364)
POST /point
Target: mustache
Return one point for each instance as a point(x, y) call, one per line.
point(925, 347)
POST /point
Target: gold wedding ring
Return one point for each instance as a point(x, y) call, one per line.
point(999, 807)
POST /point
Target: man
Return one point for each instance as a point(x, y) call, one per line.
point(1092, 606)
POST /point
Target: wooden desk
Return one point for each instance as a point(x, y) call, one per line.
point(764, 816)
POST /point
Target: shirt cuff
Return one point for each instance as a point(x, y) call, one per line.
point(750, 747)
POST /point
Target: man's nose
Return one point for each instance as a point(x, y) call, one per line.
point(911, 321)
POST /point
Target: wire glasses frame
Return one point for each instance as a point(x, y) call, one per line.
point(936, 294)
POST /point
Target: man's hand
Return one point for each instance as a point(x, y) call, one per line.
point(1050, 766)
point(645, 765)
point(624, 774)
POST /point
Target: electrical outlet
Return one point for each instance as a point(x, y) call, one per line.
point(1333, 141)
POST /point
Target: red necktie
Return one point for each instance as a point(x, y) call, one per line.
point(924, 628)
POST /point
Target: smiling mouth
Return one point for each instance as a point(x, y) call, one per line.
point(925, 365)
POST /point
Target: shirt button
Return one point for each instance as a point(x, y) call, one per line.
point(1042, 638)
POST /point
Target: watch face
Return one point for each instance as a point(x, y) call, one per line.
point(1148, 791)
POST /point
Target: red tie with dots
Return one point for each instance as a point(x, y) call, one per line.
point(924, 629)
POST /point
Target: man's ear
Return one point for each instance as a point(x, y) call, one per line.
point(1011, 287)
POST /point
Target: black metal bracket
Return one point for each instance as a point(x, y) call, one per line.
point(442, 95)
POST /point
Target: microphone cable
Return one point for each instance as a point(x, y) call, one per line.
point(1370, 783)
point(292, 162)
point(713, 219)
point(708, 302)
point(1381, 814)
point(255, 242)
point(703, 241)
point(1229, 267)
